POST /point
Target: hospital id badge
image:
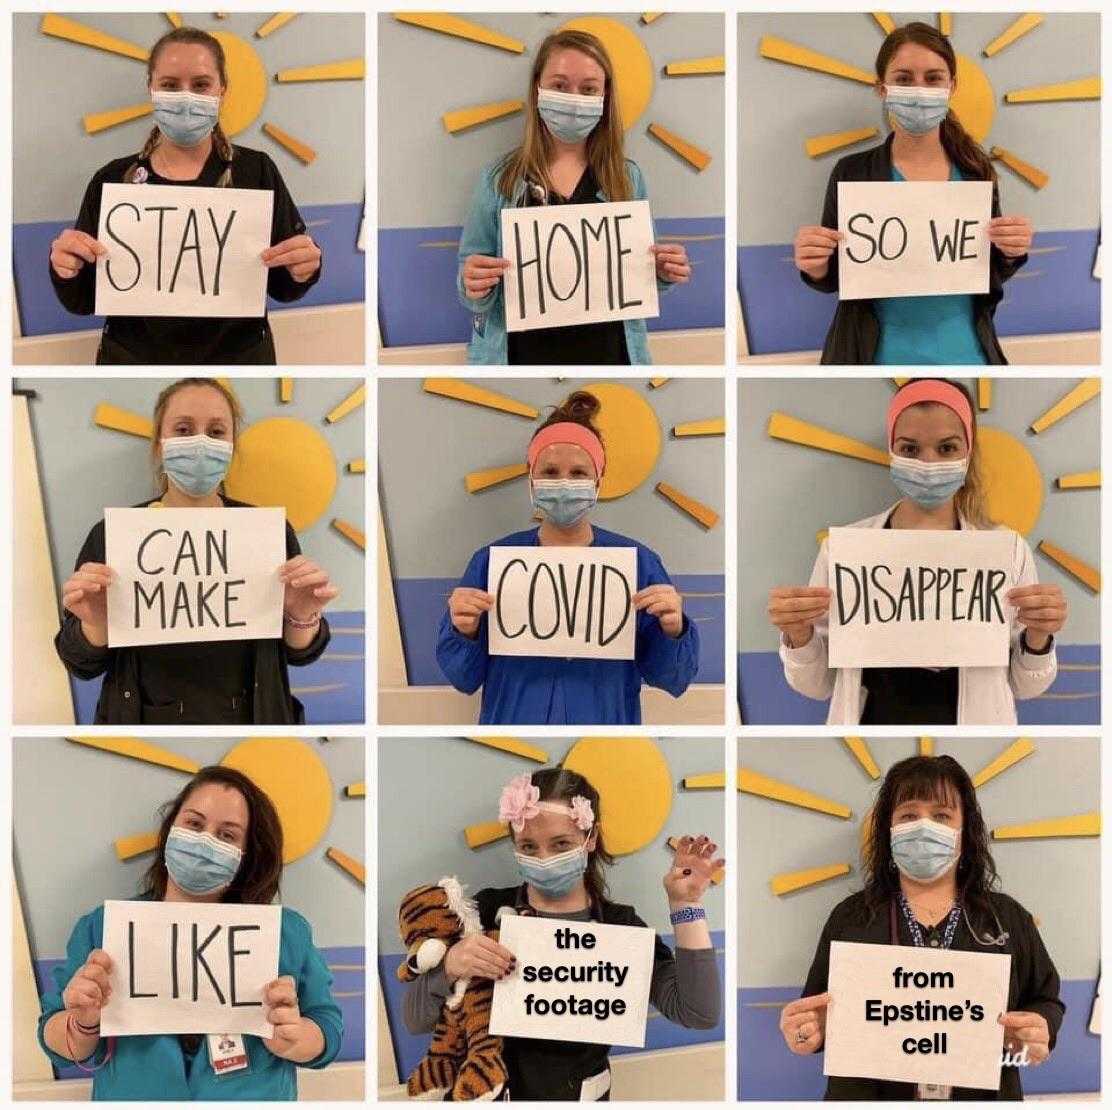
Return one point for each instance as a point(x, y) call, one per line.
point(227, 1052)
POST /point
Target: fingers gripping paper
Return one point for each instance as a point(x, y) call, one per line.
point(910, 598)
point(181, 967)
point(177, 250)
point(916, 1015)
point(578, 264)
point(188, 575)
point(570, 602)
point(575, 981)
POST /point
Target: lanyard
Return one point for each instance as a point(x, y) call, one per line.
point(913, 927)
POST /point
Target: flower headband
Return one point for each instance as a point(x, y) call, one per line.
point(520, 802)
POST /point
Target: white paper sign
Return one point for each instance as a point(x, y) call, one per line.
point(916, 1015)
point(568, 602)
point(178, 250)
point(918, 598)
point(187, 575)
point(189, 967)
point(575, 981)
point(578, 264)
point(913, 238)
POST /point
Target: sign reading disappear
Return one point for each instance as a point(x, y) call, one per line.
point(916, 1015)
point(181, 250)
point(913, 238)
point(578, 264)
point(189, 967)
point(917, 598)
point(575, 981)
point(570, 602)
point(186, 575)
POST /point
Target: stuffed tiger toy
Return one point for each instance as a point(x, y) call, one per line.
point(463, 1057)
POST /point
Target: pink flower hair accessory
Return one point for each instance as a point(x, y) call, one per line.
point(518, 802)
point(582, 813)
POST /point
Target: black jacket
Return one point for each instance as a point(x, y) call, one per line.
point(119, 702)
point(171, 340)
point(855, 331)
point(1034, 984)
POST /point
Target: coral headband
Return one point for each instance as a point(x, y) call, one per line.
point(940, 393)
point(568, 432)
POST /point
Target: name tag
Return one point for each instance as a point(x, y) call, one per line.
point(227, 1052)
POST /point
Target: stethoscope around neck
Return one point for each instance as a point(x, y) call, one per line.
point(985, 939)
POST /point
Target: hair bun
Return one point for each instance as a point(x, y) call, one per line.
point(581, 405)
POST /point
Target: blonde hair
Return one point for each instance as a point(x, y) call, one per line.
point(605, 144)
point(163, 403)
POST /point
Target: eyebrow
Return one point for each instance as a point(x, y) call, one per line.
point(204, 817)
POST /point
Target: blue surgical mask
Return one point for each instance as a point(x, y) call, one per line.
point(185, 118)
point(916, 109)
point(196, 464)
point(928, 484)
point(569, 116)
point(564, 501)
point(198, 862)
point(555, 876)
point(924, 850)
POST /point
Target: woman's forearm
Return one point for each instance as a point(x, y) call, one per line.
point(299, 638)
point(308, 1045)
point(81, 1045)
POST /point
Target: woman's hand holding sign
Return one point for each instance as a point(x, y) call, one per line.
point(803, 1023)
point(85, 595)
point(88, 991)
point(662, 601)
point(812, 249)
point(481, 273)
point(1028, 1033)
point(672, 265)
point(308, 591)
point(71, 250)
point(478, 956)
point(466, 607)
point(295, 1038)
point(1041, 611)
point(1011, 235)
point(794, 610)
point(299, 254)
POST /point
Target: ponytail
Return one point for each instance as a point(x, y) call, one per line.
point(964, 151)
point(223, 148)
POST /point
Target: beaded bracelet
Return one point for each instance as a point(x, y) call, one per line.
point(293, 622)
point(687, 914)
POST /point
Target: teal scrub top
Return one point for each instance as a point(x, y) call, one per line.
point(927, 331)
point(150, 1069)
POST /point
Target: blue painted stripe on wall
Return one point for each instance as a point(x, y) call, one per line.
point(422, 601)
point(1054, 293)
point(417, 301)
point(349, 989)
point(765, 698)
point(341, 703)
point(334, 227)
point(767, 1070)
point(410, 1048)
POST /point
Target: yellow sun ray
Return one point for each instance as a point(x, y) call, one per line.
point(461, 29)
point(1072, 564)
point(818, 145)
point(350, 69)
point(1085, 88)
point(1031, 174)
point(716, 878)
point(789, 881)
point(116, 419)
point(350, 532)
point(656, 383)
point(349, 404)
point(1081, 824)
point(285, 390)
point(352, 866)
point(357, 466)
point(304, 153)
point(128, 847)
point(884, 21)
point(69, 29)
point(463, 118)
point(692, 67)
point(704, 514)
point(274, 23)
point(487, 832)
point(512, 745)
point(95, 122)
point(926, 745)
point(174, 18)
point(1085, 479)
point(141, 750)
point(459, 390)
point(356, 790)
point(946, 23)
point(483, 479)
point(712, 780)
point(688, 151)
point(780, 50)
point(713, 427)
point(984, 394)
point(1009, 757)
point(1025, 23)
point(650, 17)
point(753, 782)
point(861, 752)
point(788, 428)
point(1080, 394)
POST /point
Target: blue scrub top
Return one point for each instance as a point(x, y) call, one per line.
point(928, 331)
point(520, 690)
point(151, 1069)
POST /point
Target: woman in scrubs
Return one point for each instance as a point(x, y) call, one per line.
point(220, 841)
point(566, 461)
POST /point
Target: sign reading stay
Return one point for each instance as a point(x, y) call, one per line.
point(185, 575)
point(179, 250)
point(914, 598)
point(189, 967)
point(913, 238)
point(578, 264)
point(570, 602)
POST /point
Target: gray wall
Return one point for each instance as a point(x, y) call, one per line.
point(428, 443)
point(56, 82)
point(71, 803)
point(788, 493)
point(83, 468)
point(414, 146)
point(429, 790)
point(780, 105)
point(1057, 880)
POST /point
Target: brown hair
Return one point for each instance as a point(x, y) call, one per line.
point(605, 144)
point(260, 872)
point(579, 407)
point(192, 36)
point(163, 402)
point(961, 147)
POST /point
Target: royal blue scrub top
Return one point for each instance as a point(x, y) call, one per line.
point(520, 690)
point(928, 331)
point(152, 1069)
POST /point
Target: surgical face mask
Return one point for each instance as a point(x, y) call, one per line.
point(564, 501)
point(917, 109)
point(928, 484)
point(198, 862)
point(555, 876)
point(185, 118)
point(196, 464)
point(924, 850)
point(569, 116)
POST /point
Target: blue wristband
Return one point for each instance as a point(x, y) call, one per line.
point(688, 913)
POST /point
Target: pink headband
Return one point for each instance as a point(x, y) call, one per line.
point(520, 802)
point(568, 432)
point(941, 393)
